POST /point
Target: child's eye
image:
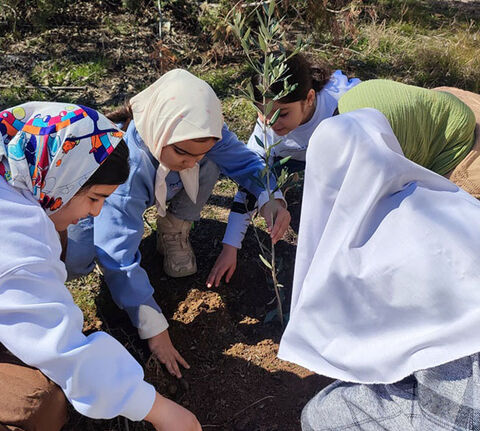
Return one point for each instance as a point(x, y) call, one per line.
point(93, 199)
point(283, 114)
point(178, 151)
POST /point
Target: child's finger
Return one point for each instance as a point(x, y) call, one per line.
point(281, 225)
point(279, 222)
point(171, 369)
point(219, 276)
point(211, 276)
point(176, 368)
point(182, 361)
point(230, 272)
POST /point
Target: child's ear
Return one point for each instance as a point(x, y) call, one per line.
point(311, 97)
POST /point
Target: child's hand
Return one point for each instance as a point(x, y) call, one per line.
point(274, 210)
point(162, 347)
point(166, 415)
point(225, 264)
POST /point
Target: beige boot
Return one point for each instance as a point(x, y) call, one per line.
point(173, 243)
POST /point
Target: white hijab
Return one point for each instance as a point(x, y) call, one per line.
point(387, 272)
point(177, 107)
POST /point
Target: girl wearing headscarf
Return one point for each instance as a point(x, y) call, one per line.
point(314, 98)
point(58, 164)
point(435, 128)
point(178, 144)
point(385, 294)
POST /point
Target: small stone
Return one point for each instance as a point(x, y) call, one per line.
point(184, 384)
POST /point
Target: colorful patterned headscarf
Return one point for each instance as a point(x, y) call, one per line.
point(52, 149)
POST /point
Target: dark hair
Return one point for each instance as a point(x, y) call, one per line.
point(113, 171)
point(300, 72)
point(123, 115)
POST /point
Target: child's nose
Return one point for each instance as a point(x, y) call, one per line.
point(95, 210)
point(190, 163)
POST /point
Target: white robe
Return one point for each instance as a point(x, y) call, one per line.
point(41, 325)
point(387, 273)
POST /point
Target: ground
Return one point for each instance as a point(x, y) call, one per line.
point(100, 53)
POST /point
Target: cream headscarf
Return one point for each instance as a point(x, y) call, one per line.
point(177, 107)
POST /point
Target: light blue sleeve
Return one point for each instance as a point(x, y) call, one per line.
point(238, 162)
point(118, 231)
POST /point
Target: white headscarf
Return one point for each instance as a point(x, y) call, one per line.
point(387, 272)
point(177, 107)
point(51, 149)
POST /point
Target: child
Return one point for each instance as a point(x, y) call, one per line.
point(385, 291)
point(178, 143)
point(301, 111)
point(435, 128)
point(58, 164)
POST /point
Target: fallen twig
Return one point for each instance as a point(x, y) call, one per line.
point(238, 413)
point(253, 404)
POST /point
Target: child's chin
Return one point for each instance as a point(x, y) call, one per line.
point(281, 132)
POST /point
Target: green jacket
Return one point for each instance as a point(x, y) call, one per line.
point(434, 129)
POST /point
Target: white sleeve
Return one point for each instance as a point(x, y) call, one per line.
point(41, 325)
point(339, 84)
point(238, 220)
point(240, 216)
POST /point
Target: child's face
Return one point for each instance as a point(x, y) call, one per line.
point(292, 114)
point(86, 203)
point(184, 154)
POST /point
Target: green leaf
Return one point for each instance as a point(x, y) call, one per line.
point(269, 108)
point(272, 314)
point(265, 262)
point(261, 88)
point(275, 116)
point(250, 91)
point(271, 8)
point(261, 43)
point(285, 160)
point(259, 141)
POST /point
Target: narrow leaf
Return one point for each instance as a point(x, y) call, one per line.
point(270, 316)
point(261, 43)
point(259, 141)
point(274, 118)
point(265, 262)
point(271, 8)
point(268, 108)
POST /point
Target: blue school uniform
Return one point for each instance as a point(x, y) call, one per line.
point(114, 236)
